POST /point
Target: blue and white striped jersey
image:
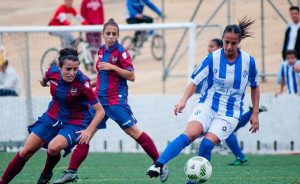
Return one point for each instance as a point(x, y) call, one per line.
point(291, 78)
point(226, 82)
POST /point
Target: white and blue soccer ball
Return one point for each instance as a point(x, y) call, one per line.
point(198, 169)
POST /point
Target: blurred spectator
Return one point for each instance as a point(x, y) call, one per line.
point(288, 74)
point(62, 17)
point(134, 14)
point(9, 79)
point(292, 33)
point(292, 37)
point(92, 11)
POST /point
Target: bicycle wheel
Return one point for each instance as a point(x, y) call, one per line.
point(88, 61)
point(158, 47)
point(127, 43)
point(49, 59)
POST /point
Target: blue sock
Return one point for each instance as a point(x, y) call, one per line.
point(174, 148)
point(244, 120)
point(206, 148)
point(233, 145)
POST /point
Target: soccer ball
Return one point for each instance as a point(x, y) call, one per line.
point(198, 169)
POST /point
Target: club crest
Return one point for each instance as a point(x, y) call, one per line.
point(114, 59)
point(73, 91)
point(245, 73)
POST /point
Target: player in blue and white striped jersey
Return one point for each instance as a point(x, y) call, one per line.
point(288, 74)
point(228, 71)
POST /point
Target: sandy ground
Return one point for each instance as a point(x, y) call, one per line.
point(148, 71)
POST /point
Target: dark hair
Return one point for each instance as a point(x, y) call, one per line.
point(67, 53)
point(219, 42)
point(291, 52)
point(294, 8)
point(241, 29)
point(112, 22)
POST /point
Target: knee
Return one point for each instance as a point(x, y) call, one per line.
point(192, 135)
point(53, 150)
point(26, 154)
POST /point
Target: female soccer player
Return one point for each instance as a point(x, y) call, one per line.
point(114, 69)
point(228, 71)
point(67, 121)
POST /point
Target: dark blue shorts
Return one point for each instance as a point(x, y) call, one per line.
point(47, 128)
point(121, 114)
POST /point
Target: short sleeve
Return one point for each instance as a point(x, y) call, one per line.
point(202, 70)
point(89, 93)
point(125, 61)
point(252, 73)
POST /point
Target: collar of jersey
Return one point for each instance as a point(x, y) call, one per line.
point(112, 48)
point(236, 60)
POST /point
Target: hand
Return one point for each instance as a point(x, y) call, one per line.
point(43, 83)
point(278, 93)
point(179, 107)
point(105, 66)
point(254, 123)
point(139, 16)
point(85, 136)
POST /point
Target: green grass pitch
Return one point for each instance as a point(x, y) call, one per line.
point(130, 168)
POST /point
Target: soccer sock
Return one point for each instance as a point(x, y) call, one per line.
point(51, 162)
point(13, 168)
point(148, 145)
point(205, 149)
point(244, 120)
point(233, 145)
point(78, 156)
point(174, 148)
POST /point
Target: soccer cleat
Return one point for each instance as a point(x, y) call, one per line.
point(153, 171)
point(45, 179)
point(239, 162)
point(67, 177)
point(164, 173)
point(262, 108)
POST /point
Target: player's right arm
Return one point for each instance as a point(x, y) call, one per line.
point(189, 91)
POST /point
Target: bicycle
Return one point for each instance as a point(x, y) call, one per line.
point(158, 46)
point(87, 57)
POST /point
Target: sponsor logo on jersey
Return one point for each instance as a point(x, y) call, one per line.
point(124, 55)
point(100, 56)
point(114, 59)
point(73, 91)
point(224, 128)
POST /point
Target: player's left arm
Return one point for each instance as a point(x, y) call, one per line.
point(255, 102)
point(254, 96)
